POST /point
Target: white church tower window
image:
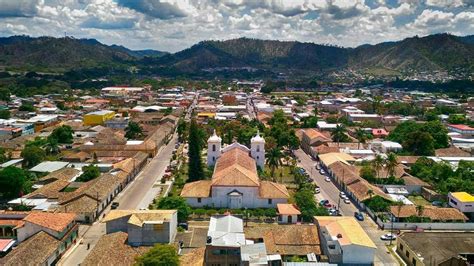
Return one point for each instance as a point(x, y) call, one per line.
point(214, 144)
point(257, 149)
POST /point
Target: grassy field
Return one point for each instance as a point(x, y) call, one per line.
point(418, 200)
point(282, 174)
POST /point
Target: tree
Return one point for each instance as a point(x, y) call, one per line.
point(159, 255)
point(175, 203)
point(378, 163)
point(419, 143)
point(133, 130)
point(391, 163)
point(370, 192)
point(52, 147)
point(195, 140)
point(14, 182)
point(305, 201)
point(32, 155)
point(5, 114)
point(420, 209)
point(274, 159)
point(339, 134)
point(26, 107)
point(181, 129)
point(4, 94)
point(377, 204)
point(89, 172)
point(62, 134)
point(361, 136)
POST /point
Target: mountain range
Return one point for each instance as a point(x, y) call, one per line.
point(430, 53)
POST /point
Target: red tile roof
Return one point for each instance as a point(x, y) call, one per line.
point(54, 221)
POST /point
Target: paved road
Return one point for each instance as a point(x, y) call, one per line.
point(138, 194)
point(330, 192)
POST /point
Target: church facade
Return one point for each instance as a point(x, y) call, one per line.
point(235, 183)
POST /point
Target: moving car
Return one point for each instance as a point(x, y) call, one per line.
point(359, 216)
point(388, 236)
point(327, 179)
point(114, 205)
point(317, 190)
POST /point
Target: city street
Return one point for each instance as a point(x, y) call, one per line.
point(330, 192)
point(138, 194)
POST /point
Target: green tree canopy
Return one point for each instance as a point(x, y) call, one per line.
point(13, 182)
point(195, 141)
point(159, 255)
point(5, 114)
point(89, 172)
point(175, 203)
point(62, 134)
point(32, 155)
point(133, 130)
point(309, 208)
point(27, 107)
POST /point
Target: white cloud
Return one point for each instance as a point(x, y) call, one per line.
point(176, 24)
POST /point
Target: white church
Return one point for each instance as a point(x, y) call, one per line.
point(235, 183)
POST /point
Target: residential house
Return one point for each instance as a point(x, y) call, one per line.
point(344, 241)
point(436, 248)
point(144, 227)
point(434, 214)
point(462, 201)
point(224, 239)
point(313, 138)
point(98, 117)
point(288, 213)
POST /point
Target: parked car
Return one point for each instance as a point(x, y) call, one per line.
point(322, 172)
point(344, 197)
point(327, 179)
point(317, 166)
point(332, 212)
point(317, 190)
point(324, 201)
point(359, 216)
point(342, 194)
point(347, 201)
point(183, 225)
point(328, 205)
point(388, 236)
point(114, 205)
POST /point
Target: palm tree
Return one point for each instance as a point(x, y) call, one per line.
point(378, 163)
point(370, 192)
point(274, 159)
point(391, 164)
point(51, 147)
point(420, 209)
point(339, 134)
point(361, 136)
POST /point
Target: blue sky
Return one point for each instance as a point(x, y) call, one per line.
point(173, 25)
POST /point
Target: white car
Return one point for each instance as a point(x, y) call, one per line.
point(342, 194)
point(318, 167)
point(388, 236)
point(322, 172)
point(317, 190)
point(347, 201)
point(327, 179)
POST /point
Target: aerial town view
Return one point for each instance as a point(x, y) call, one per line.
point(236, 132)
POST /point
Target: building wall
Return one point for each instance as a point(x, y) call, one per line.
point(30, 229)
point(355, 254)
point(148, 234)
point(407, 254)
point(223, 256)
point(250, 198)
point(95, 119)
point(283, 219)
point(461, 206)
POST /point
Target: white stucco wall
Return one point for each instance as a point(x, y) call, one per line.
point(355, 254)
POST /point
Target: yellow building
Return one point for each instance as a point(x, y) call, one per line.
point(98, 117)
